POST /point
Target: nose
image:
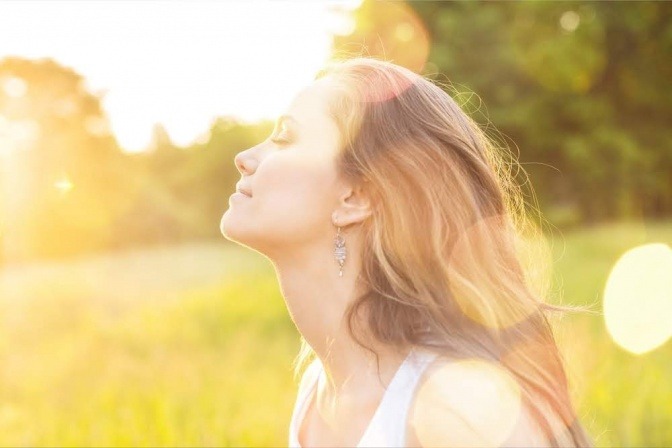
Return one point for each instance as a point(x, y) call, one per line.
point(244, 162)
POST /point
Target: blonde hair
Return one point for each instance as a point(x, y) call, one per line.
point(442, 250)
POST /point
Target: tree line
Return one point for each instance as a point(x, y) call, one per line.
point(580, 91)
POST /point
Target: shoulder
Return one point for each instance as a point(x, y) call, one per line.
point(470, 403)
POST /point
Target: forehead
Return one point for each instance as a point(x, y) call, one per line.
point(316, 129)
point(311, 104)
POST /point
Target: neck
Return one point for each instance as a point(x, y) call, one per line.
point(317, 298)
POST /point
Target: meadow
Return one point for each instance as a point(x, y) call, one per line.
point(192, 346)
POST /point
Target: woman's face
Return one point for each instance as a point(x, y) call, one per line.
point(292, 179)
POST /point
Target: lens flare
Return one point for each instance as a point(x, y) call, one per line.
point(63, 185)
point(469, 403)
point(638, 298)
point(392, 31)
point(17, 135)
point(569, 20)
point(14, 87)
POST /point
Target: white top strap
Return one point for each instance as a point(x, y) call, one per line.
point(307, 386)
point(387, 427)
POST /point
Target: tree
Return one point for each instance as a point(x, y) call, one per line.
point(63, 171)
point(580, 89)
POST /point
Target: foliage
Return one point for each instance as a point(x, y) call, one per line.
point(68, 188)
point(56, 133)
point(581, 89)
point(184, 191)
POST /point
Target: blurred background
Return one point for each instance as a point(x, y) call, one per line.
point(127, 319)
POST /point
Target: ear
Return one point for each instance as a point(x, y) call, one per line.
point(354, 205)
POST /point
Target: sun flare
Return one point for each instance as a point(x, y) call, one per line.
point(638, 298)
point(198, 61)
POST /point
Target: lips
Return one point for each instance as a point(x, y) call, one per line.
point(244, 190)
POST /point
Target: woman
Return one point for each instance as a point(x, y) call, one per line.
point(392, 225)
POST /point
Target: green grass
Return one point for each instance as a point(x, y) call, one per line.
point(623, 399)
point(196, 366)
point(193, 346)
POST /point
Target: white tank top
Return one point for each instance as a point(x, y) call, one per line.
point(387, 427)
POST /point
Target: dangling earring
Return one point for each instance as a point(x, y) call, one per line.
point(339, 251)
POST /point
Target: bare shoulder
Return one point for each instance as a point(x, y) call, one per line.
point(470, 403)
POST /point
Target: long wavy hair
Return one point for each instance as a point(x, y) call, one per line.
point(444, 253)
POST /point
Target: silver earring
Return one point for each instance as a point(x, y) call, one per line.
point(339, 251)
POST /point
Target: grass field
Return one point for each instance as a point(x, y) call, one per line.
point(192, 345)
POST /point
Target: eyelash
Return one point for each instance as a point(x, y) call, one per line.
point(280, 141)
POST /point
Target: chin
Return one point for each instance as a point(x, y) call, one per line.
point(232, 230)
point(225, 226)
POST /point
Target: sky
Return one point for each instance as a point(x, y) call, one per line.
point(179, 63)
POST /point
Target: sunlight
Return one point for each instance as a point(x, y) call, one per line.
point(638, 298)
point(569, 21)
point(458, 391)
point(16, 135)
point(196, 62)
point(63, 185)
point(404, 40)
point(14, 87)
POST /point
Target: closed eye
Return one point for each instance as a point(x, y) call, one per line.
point(279, 131)
point(280, 141)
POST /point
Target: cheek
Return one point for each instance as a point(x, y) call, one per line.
point(293, 189)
